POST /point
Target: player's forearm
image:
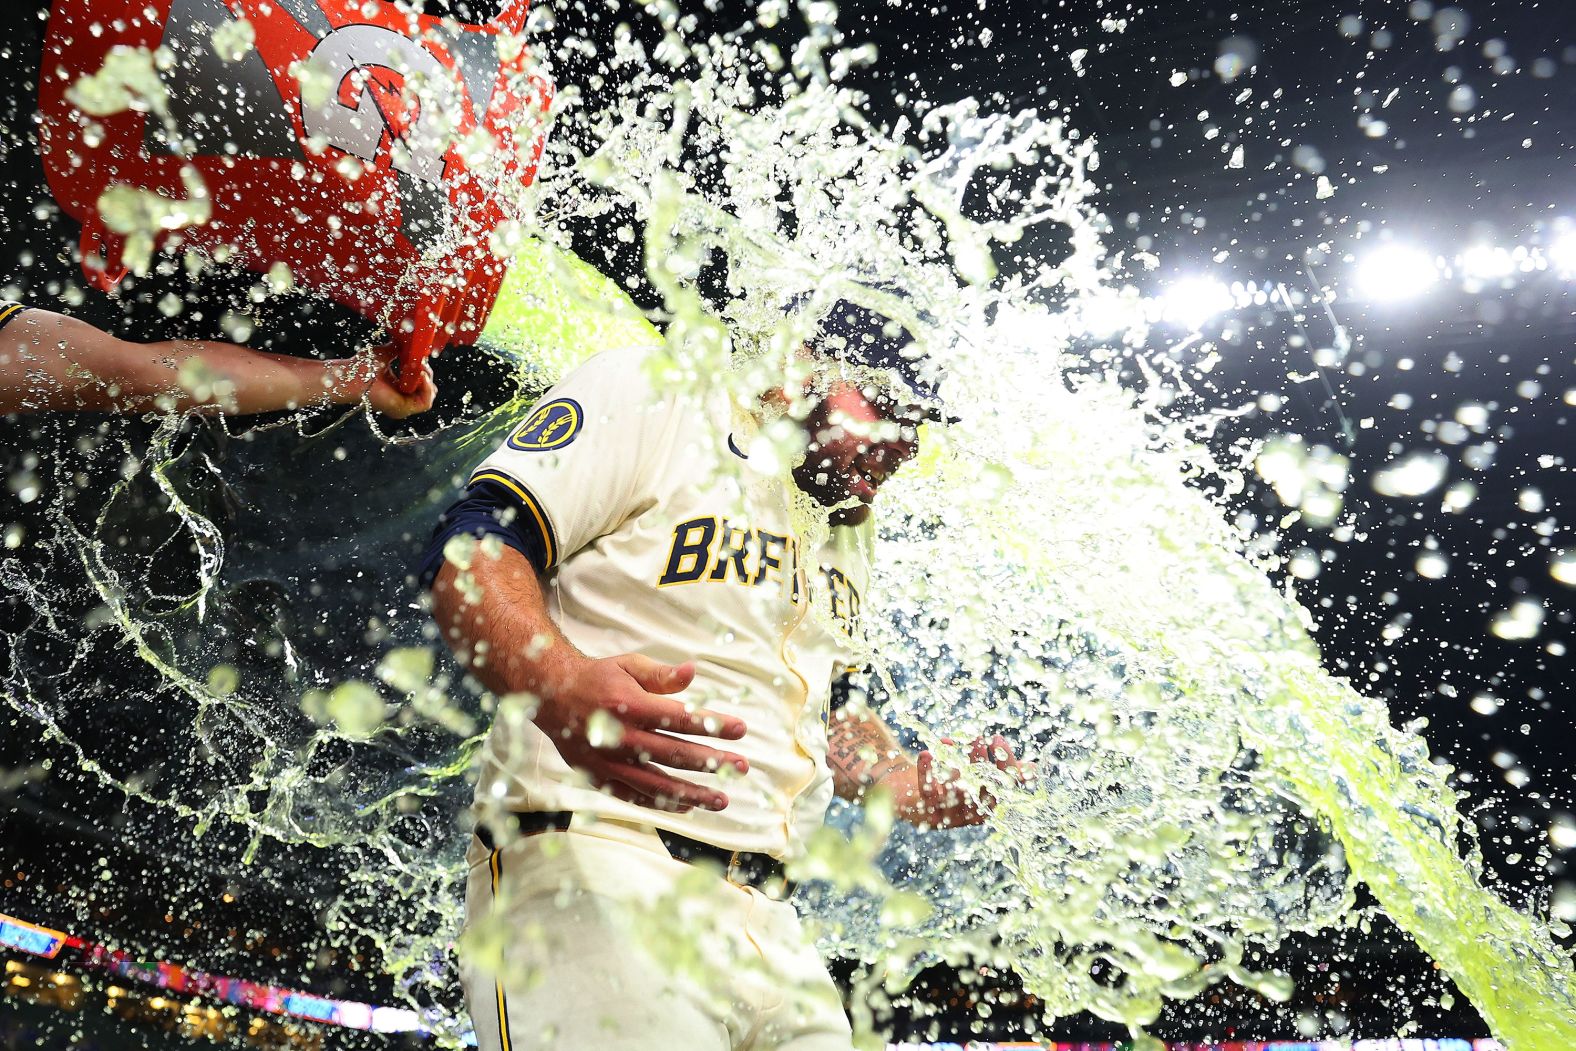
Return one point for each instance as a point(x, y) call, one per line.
point(862, 753)
point(192, 374)
point(240, 380)
point(494, 617)
point(49, 361)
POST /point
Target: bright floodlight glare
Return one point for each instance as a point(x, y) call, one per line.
point(1396, 272)
point(1487, 263)
point(1192, 301)
point(1562, 253)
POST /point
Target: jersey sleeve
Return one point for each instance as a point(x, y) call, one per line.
point(486, 509)
point(586, 456)
point(9, 310)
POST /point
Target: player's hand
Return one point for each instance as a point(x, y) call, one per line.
point(371, 377)
point(943, 803)
point(636, 691)
point(394, 403)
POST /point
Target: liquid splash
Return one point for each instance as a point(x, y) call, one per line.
point(1057, 577)
point(1207, 788)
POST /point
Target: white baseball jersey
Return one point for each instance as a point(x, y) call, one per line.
point(663, 540)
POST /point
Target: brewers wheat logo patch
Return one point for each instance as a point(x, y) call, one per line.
point(550, 426)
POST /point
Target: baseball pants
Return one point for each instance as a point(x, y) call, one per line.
point(595, 937)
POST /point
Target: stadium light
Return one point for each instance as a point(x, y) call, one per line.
point(1487, 263)
point(1191, 301)
point(1562, 253)
point(1396, 272)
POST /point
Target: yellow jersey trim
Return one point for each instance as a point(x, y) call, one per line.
point(9, 310)
point(495, 864)
point(530, 503)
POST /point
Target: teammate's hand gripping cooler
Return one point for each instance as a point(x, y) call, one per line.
point(370, 150)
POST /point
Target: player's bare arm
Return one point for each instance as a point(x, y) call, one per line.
point(51, 362)
point(862, 755)
point(499, 628)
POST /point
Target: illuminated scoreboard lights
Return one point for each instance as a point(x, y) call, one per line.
point(272, 999)
point(1410, 1044)
point(30, 938)
point(41, 941)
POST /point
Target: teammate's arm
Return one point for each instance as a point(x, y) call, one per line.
point(51, 362)
point(493, 615)
point(863, 754)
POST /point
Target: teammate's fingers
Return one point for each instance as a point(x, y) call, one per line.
point(622, 791)
point(653, 782)
point(427, 393)
point(941, 779)
point(656, 677)
point(925, 765)
point(681, 755)
point(645, 785)
point(658, 713)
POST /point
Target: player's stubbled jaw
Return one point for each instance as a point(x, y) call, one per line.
point(845, 461)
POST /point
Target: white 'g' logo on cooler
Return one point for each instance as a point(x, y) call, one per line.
point(359, 129)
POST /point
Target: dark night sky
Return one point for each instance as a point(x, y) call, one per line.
point(1434, 177)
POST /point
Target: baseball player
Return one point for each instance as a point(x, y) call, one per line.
point(666, 647)
point(49, 361)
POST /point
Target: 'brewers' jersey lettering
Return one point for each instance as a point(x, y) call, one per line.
point(770, 562)
point(691, 558)
point(736, 545)
point(691, 552)
point(841, 595)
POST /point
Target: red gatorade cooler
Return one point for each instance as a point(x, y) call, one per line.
point(372, 150)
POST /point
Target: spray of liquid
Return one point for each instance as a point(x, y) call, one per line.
point(1048, 569)
point(1208, 788)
